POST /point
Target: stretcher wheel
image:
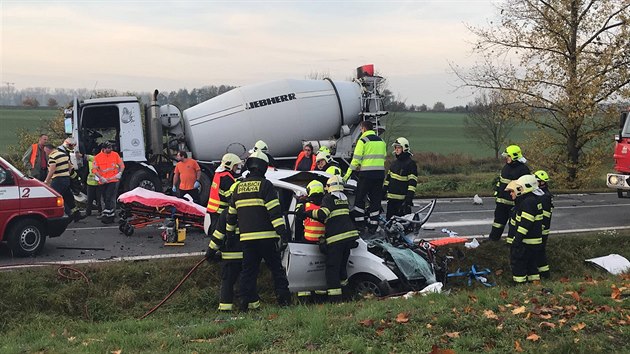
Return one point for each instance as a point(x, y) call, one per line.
point(121, 227)
point(126, 229)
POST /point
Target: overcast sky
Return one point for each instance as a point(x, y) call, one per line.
point(144, 45)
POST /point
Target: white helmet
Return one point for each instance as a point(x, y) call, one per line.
point(260, 146)
point(334, 184)
point(525, 184)
point(230, 160)
point(404, 143)
point(323, 156)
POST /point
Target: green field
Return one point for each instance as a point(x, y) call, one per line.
point(442, 133)
point(14, 119)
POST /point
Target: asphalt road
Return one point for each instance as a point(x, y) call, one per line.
point(89, 240)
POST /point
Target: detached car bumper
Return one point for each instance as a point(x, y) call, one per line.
point(56, 226)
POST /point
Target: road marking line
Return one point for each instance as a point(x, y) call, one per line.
point(574, 231)
point(92, 228)
point(555, 208)
point(458, 223)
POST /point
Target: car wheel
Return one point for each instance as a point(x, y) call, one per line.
point(367, 284)
point(144, 179)
point(26, 237)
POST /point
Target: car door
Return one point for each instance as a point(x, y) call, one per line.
point(9, 197)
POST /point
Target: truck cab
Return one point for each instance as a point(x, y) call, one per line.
point(29, 211)
point(620, 180)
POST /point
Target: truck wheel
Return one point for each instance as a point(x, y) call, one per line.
point(367, 284)
point(204, 191)
point(144, 179)
point(26, 237)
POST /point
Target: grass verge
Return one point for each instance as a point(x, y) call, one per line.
point(576, 311)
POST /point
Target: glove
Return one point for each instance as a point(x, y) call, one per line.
point(346, 177)
point(300, 212)
point(210, 253)
point(174, 189)
point(197, 185)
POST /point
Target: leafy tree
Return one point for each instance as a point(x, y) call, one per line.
point(562, 60)
point(30, 102)
point(422, 108)
point(439, 107)
point(52, 102)
point(490, 121)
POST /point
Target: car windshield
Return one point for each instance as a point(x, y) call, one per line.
point(15, 170)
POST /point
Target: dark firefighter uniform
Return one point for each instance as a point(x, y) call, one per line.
point(400, 185)
point(525, 235)
point(340, 236)
point(547, 207)
point(255, 209)
point(368, 161)
point(231, 256)
point(511, 171)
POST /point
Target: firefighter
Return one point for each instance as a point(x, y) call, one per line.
point(326, 163)
point(547, 205)
point(223, 179)
point(262, 146)
point(400, 184)
point(340, 236)
point(229, 245)
point(513, 169)
point(60, 170)
point(525, 230)
point(108, 167)
point(368, 161)
point(255, 209)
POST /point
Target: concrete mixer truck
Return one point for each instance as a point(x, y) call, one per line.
point(620, 180)
point(285, 114)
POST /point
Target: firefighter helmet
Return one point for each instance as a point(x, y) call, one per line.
point(259, 146)
point(230, 160)
point(324, 148)
point(313, 187)
point(323, 156)
point(542, 175)
point(523, 185)
point(402, 142)
point(257, 161)
point(335, 184)
point(513, 151)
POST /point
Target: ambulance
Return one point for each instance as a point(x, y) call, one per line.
point(29, 211)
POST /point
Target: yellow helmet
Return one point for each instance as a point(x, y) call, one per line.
point(404, 143)
point(324, 148)
point(333, 170)
point(335, 184)
point(323, 156)
point(513, 151)
point(257, 160)
point(523, 185)
point(259, 146)
point(542, 175)
point(313, 187)
point(230, 160)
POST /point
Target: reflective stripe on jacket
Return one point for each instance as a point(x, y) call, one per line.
point(107, 166)
point(402, 178)
point(221, 183)
point(369, 155)
point(525, 225)
point(509, 172)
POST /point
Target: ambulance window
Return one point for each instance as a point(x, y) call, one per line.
point(5, 177)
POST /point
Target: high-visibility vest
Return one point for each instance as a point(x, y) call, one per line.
point(215, 204)
point(313, 229)
point(34, 149)
point(107, 165)
point(302, 156)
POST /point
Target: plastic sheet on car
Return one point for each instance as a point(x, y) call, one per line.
point(411, 265)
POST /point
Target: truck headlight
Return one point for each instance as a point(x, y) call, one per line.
point(613, 179)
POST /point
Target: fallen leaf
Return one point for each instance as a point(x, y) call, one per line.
point(65, 332)
point(518, 310)
point(533, 337)
point(499, 272)
point(367, 323)
point(500, 327)
point(272, 317)
point(545, 317)
point(380, 331)
point(472, 298)
point(437, 350)
point(517, 346)
point(576, 340)
point(616, 293)
point(574, 295)
point(502, 308)
point(452, 334)
point(119, 351)
point(402, 317)
point(503, 294)
point(547, 325)
point(201, 340)
point(578, 326)
point(564, 280)
point(429, 326)
point(71, 339)
point(490, 314)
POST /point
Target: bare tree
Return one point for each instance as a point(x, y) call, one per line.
point(561, 59)
point(490, 121)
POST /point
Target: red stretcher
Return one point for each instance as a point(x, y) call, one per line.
point(141, 207)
